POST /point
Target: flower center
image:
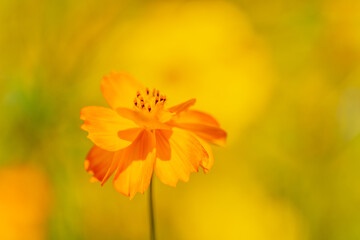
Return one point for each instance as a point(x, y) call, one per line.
point(149, 101)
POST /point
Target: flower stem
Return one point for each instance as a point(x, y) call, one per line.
point(151, 213)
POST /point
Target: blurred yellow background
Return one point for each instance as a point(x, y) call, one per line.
point(282, 77)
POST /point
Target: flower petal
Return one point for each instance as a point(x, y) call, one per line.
point(202, 124)
point(119, 89)
point(207, 163)
point(182, 106)
point(129, 134)
point(194, 116)
point(178, 154)
point(100, 163)
point(103, 125)
point(136, 164)
point(211, 134)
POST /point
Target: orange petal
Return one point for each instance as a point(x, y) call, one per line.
point(119, 89)
point(211, 134)
point(141, 118)
point(182, 106)
point(180, 159)
point(100, 163)
point(194, 116)
point(136, 164)
point(103, 125)
point(202, 124)
point(163, 147)
point(207, 163)
point(129, 134)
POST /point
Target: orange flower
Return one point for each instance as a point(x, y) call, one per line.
point(139, 135)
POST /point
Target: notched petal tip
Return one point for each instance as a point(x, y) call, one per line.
point(186, 154)
point(86, 164)
point(126, 194)
point(130, 195)
point(94, 180)
point(100, 164)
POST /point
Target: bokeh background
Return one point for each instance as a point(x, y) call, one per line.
point(282, 77)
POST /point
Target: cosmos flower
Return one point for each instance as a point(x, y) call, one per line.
point(139, 135)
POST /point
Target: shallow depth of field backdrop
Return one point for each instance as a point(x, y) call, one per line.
point(282, 77)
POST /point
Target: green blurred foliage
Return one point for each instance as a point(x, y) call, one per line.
point(283, 78)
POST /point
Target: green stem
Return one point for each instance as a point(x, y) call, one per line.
point(151, 211)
